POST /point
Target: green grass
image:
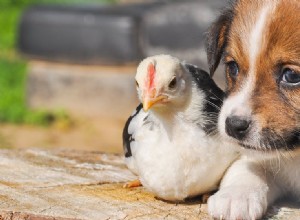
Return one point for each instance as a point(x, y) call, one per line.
point(13, 107)
point(13, 68)
point(12, 91)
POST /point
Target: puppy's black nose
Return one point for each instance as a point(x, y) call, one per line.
point(237, 127)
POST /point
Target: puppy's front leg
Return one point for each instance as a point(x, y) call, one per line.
point(245, 192)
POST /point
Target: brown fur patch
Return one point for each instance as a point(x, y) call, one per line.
point(276, 107)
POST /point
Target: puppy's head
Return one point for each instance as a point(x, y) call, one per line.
point(259, 42)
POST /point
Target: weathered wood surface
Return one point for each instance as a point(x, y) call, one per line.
point(63, 184)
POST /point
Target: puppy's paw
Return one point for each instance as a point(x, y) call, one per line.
point(238, 203)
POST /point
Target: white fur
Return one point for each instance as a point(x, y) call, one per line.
point(257, 36)
point(173, 156)
point(242, 194)
point(251, 185)
point(237, 105)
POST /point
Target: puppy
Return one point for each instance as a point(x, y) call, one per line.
point(259, 42)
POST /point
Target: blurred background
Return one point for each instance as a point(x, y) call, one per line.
point(67, 66)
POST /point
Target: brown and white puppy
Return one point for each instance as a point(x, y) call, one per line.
point(259, 42)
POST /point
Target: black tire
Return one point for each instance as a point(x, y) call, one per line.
point(179, 29)
point(98, 35)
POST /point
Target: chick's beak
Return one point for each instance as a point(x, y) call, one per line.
point(151, 98)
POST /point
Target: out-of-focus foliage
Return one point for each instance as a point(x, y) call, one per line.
point(13, 67)
point(12, 83)
point(12, 97)
point(8, 27)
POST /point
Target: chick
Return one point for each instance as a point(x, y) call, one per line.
point(171, 140)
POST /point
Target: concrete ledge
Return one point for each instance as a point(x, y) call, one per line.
point(82, 90)
point(64, 184)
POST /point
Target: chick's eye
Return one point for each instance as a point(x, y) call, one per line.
point(232, 68)
point(290, 77)
point(173, 83)
point(137, 84)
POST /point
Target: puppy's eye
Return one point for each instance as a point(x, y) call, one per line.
point(137, 84)
point(173, 83)
point(232, 68)
point(290, 77)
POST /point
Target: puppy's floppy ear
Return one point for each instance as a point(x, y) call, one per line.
point(216, 39)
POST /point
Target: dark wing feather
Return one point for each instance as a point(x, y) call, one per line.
point(213, 95)
point(127, 137)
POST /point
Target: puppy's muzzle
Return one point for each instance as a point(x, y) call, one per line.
point(237, 127)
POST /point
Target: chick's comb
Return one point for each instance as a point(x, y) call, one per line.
point(151, 76)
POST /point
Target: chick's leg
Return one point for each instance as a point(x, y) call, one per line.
point(131, 184)
point(206, 196)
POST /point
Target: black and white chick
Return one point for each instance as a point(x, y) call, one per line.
point(171, 140)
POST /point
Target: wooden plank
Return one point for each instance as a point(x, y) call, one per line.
point(65, 184)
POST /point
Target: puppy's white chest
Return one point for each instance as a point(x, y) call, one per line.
point(289, 176)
